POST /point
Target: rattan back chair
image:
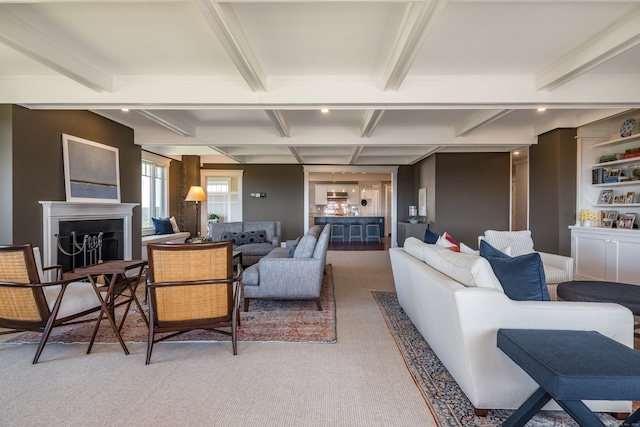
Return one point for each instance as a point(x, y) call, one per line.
point(192, 286)
point(26, 304)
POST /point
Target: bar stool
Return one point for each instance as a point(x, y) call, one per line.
point(372, 232)
point(337, 232)
point(355, 232)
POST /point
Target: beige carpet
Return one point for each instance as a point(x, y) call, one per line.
point(359, 381)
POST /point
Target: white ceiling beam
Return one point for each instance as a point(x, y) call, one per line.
point(370, 122)
point(609, 43)
point(296, 154)
point(279, 121)
point(356, 153)
point(171, 123)
point(429, 152)
point(28, 40)
point(479, 120)
point(226, 154)
point(230, 33)
point(417, 23)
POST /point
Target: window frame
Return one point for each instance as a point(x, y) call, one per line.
point(156, 161)
point(221, 173)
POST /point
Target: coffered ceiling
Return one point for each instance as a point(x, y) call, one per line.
point(243, 81)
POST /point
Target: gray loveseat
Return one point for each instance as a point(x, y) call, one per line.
point(281, 275)
point(251, 252)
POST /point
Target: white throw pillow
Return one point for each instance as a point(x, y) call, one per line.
point(174, 224)
point(469, 270)
point(519, 241)
point(413, 247)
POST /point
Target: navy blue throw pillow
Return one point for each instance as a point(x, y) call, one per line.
point(430, 237)
point(521, 277)
point(162, 225)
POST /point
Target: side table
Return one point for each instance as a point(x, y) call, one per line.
point(116, 283)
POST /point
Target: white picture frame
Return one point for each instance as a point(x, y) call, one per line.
point(91, 170)
point(422, 202)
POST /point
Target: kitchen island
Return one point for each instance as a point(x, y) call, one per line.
point(347, 220)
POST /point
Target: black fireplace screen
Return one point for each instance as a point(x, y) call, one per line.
point(86, 242)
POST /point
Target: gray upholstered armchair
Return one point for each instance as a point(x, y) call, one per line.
point(290, 273)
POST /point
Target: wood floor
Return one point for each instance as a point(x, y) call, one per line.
point(383, 245)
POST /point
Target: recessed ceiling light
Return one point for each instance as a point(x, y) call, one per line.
point(516, 152)
point(324, 110)
point(125, 109)
point(542, 109)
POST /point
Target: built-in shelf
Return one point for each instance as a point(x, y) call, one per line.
point(617, 184)
point(618, 141)
point(616, 162)
point(618, 205)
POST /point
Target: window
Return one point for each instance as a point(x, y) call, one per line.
point(154, 203)
point(224, 193)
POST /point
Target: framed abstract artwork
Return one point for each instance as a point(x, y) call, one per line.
point(422, 202)
point(91, 171)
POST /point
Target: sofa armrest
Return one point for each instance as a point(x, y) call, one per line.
point(276, 241)
point(558, 261)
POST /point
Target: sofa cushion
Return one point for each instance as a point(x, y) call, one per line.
point(469, 270)
point(162, 225)
point(522, 277)
point(268, 227)
point(257, 249)
point(216, 229)
point(520, 242)
point(245, 237)
point(307, 243)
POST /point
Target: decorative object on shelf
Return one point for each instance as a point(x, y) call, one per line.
point(626, 221)
point(634, 170)
point(413, 215)
point(606, 196)
point(627, 127)
point(610, 157)
point(630, 197)
point(618, 199)
point(588, 218)
point(214, 217)
point(607, 223)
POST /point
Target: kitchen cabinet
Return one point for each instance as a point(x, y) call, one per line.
point(606, 254)
point(321, 194)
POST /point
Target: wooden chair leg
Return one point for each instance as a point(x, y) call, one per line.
point(246, 304)
point(481, 412)
point(318, 304)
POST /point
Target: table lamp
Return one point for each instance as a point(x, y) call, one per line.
point(196, 194)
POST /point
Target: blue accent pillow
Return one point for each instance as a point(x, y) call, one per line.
point(293, 247)
point(162, 225)
point(430, 237)
point(521, 277)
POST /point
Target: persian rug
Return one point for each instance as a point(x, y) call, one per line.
point(266, 320)
point(445, 399)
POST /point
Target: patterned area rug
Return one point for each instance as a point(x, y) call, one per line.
point(266, 320)
point(447, 402)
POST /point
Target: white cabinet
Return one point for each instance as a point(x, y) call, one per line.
point(606, 254)
point(321, 194)
point(353, 194)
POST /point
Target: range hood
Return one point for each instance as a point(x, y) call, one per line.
point(337, 195)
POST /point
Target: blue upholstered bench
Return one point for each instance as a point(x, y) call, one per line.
point(572, 366)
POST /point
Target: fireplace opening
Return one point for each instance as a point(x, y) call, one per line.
point(71, 256)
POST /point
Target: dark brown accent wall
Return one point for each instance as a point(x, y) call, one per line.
point(472, 194)
point(38, 171)
point(552, 190)
point(407, 192)
point(284, 187)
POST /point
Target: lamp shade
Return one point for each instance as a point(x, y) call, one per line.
point(196, 194)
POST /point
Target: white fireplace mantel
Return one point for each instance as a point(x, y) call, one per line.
point(54, 211)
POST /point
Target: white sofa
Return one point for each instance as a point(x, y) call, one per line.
point(460, 322)
point(162, 238)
